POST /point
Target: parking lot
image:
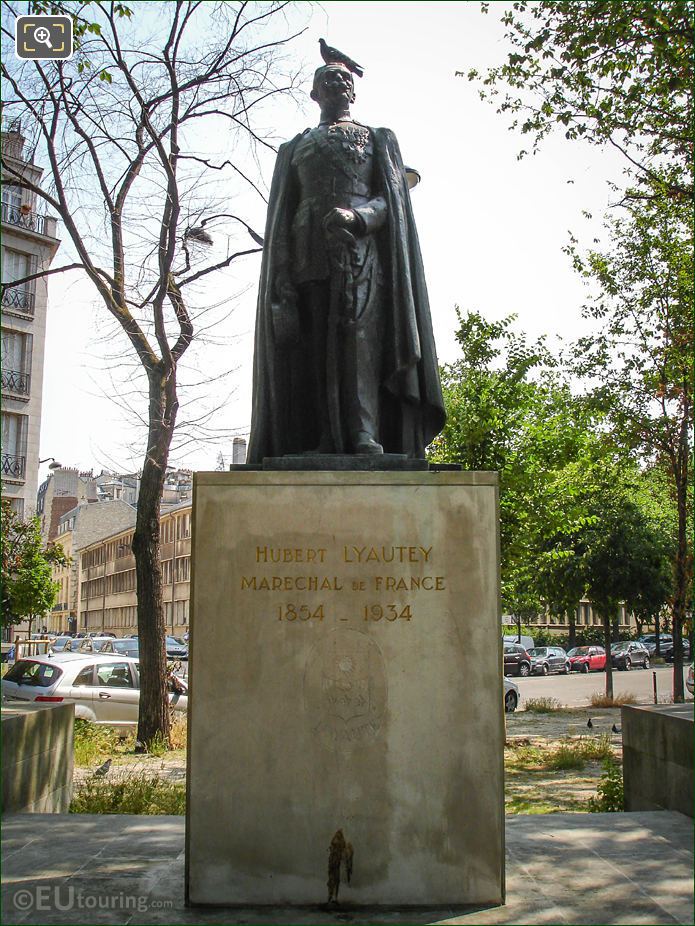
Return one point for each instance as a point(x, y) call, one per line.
point(576, 689)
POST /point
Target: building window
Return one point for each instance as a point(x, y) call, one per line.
point(181, 612)
point(17, 505)
point(12, 195)
point(184, 526)
point(183, 569)
point(16, 266)
point(18, 209)
point(14, 445)
point(16, 361)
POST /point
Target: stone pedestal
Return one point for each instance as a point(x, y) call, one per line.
point(345, 676)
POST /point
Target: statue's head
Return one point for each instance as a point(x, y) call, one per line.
point(333, 83)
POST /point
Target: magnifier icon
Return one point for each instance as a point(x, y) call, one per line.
point(44, 36)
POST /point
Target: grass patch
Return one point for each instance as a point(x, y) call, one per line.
point(179, 732)
point(94, 743)
point(599, 699)
point(576, 753)
point(570, 754)
point(138, 793)
point(542, 705)
point(528, 805)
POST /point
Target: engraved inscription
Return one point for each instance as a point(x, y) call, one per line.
point(345, 688)
point(290, 612)
point(386, 554)
point(290, 554)
point(410, 567)
point(391, 612)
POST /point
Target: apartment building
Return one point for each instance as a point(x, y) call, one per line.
point(106, 577)
point(29, 244)
point(83, 525)
point(64, 489)
point(584, 617)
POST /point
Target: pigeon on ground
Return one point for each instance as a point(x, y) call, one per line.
point(102, 771)
point(616, 729)
point(333, 56)
point(589, 724)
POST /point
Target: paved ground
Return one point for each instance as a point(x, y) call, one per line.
point(633, 868)
point(575, 690)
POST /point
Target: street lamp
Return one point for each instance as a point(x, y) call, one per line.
point(412, 177)
point(54, 465)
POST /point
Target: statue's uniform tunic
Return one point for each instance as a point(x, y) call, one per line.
point(340, 284)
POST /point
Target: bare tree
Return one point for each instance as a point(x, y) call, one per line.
point(121, 131)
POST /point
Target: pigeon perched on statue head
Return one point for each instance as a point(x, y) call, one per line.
point(334, 56)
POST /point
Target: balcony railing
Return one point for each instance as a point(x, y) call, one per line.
point(15, 381)
point(14, 297)
point(15, 215)
point(13, 466)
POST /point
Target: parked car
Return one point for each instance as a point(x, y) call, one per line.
point(176, 649)
point(547, 659)
point(690, 680)
point(105, 689)
point(668, 654)
point(587, 659)
point(126, 647)
point(665, 645)
point(511, 696)
point(526, 642)
point(89, 645)
point(516, 660)
point(60, 643)
point(628, 653)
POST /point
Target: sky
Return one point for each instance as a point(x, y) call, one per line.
point(491, 226)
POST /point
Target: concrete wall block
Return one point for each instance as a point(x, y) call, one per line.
point(658, 757)
point(37, 758)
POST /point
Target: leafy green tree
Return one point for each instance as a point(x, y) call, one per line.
point(640, 358)
point(607, 72)
point(488, 394)
point(578, 516)
point(614, 551)
point(27, 587)
point(509, 411)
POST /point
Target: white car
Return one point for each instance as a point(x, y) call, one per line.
point(511, 695)
point(104, 688)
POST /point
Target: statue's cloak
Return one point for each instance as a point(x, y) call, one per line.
point(411, 404)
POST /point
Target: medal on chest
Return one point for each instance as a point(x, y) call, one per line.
point(351, 141)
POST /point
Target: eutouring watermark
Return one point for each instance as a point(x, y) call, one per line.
point(47, 898)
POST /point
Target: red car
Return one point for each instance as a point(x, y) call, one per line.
point(587, 659)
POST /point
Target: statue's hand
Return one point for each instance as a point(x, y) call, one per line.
point(342, 224)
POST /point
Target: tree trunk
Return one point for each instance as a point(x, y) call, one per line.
point(572, 637)
point(682, 575)
point(153, 720)
point(607, 627)
point(657, 629)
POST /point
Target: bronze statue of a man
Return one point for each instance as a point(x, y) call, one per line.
point(345, 361)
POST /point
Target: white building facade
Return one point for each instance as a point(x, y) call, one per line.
point(29, 244)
